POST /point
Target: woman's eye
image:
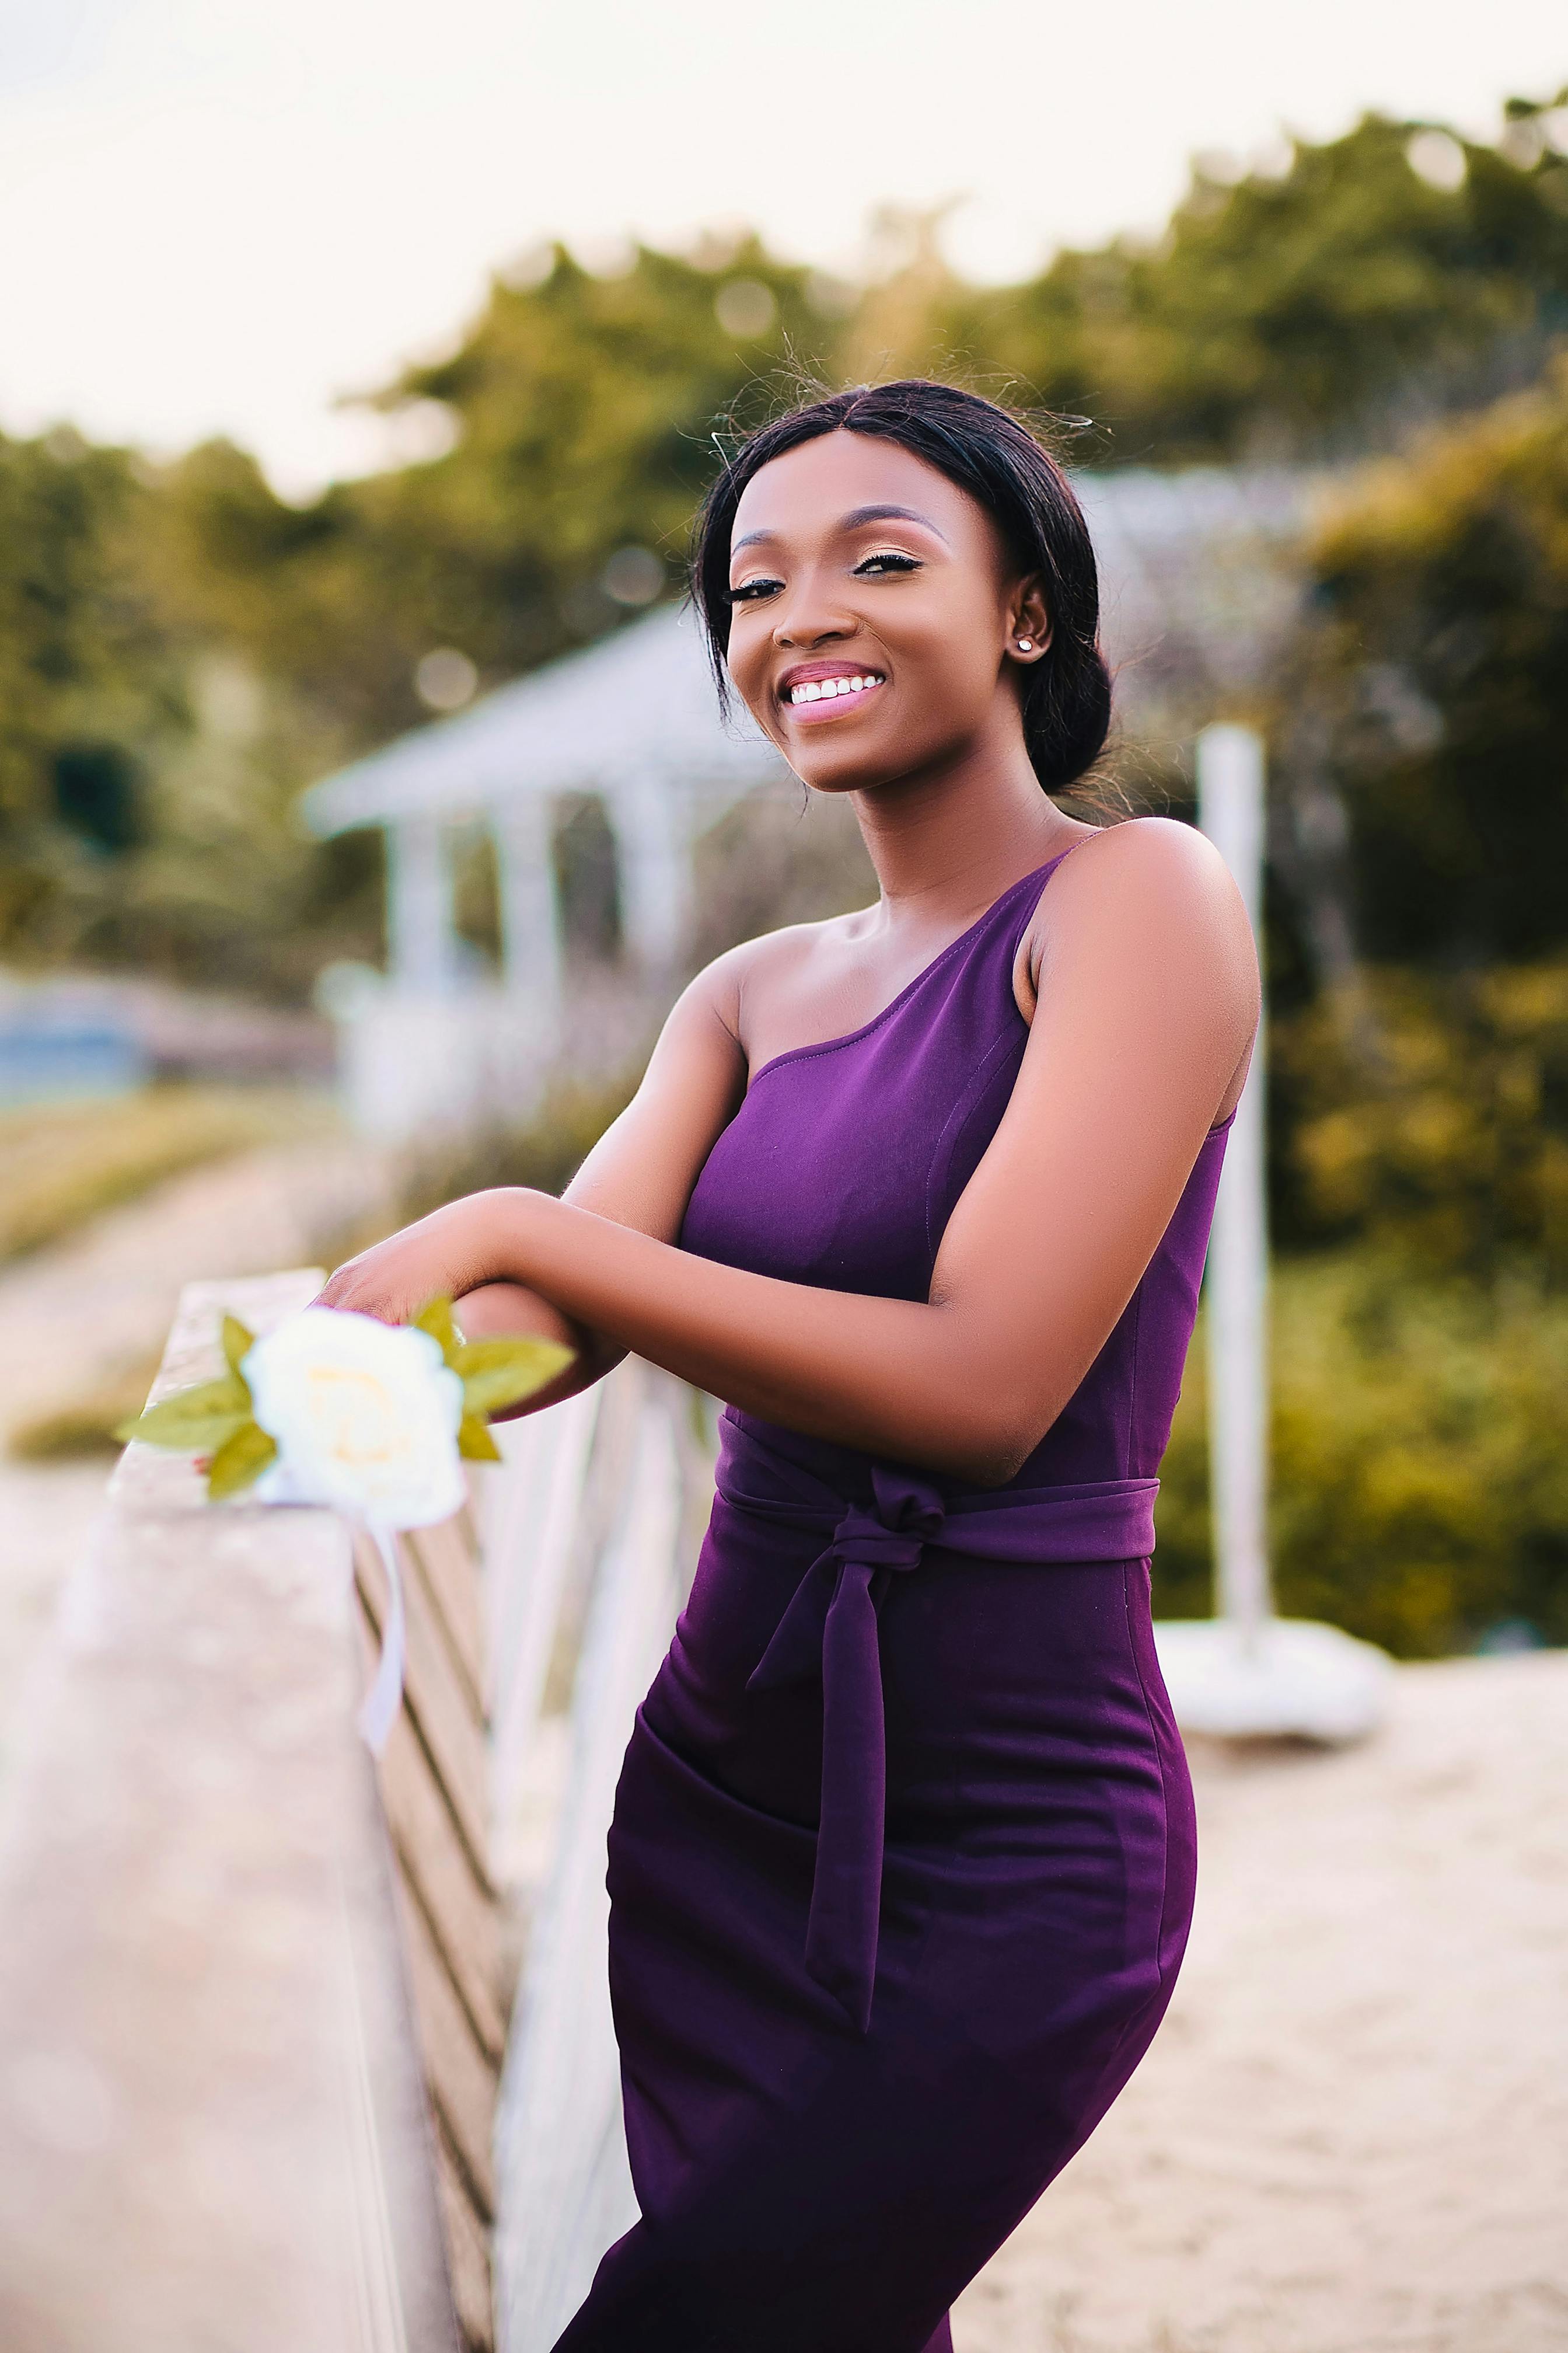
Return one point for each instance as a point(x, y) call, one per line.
point(750, 589)
point(887, 562)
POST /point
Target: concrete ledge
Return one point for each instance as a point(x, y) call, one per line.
point(213, 2132)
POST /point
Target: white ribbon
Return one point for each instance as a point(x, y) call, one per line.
point(385, 1698)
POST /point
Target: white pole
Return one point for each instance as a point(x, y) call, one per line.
point(648, 813)
point(1245, 1674)
point(420, 956)
point(530, 917)
point(1230, 766)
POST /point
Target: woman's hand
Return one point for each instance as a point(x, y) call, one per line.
point(452, 1252)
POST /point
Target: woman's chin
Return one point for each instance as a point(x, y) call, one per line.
point(846, 767)
point(856, 773)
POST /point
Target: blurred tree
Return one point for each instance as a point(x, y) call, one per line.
point(1448, 1151)
point(1418, 1478)
point(86, 683)
point(582, 411)
point(1302, 310)
point(1436, 662)
point(1310, 307)
point(146, 774)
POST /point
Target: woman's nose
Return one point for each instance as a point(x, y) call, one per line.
point(809, 622)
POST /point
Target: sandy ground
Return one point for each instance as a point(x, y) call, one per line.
point(81, 1311)
point(1352, 2135)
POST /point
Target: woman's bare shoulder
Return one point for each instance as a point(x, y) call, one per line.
point(1162, 849)
point(1130, 909)
point(1144, 875)
point(772, 961)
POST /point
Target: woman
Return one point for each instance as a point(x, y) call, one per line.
point(902, 1859)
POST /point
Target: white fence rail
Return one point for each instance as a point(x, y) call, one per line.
point(592, 1532)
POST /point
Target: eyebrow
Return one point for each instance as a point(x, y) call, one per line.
point(854, 521)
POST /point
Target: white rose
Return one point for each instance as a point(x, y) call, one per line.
point(366, 1415)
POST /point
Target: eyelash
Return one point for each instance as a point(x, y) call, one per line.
point(750, 590)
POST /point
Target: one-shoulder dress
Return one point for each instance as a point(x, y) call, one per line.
point(902, 1861)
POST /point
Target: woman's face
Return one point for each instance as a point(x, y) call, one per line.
point(875, 616)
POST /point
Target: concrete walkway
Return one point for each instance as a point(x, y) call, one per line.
point(1351, 2134)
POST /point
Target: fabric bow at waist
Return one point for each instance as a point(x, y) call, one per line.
point(829, 1629)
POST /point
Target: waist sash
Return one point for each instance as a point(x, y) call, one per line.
point(829, 1629)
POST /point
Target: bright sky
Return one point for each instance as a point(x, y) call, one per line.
point(221, 214)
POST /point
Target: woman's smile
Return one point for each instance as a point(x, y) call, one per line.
point(812, 691)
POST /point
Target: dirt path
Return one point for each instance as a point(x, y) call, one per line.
point(1352, 2135)
point(80, 1312)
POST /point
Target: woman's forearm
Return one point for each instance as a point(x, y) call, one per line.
point(496, 1311)
point(895, 1377)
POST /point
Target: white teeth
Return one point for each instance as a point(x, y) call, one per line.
point(821, 690)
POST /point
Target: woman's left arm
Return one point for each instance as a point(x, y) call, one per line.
point(1147, 1000)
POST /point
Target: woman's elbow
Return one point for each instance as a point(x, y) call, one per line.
point(986, 1444)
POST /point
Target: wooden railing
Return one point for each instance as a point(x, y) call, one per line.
point(596, 1524)
point(254, 2049)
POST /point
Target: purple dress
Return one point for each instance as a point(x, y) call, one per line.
point(902, 1861)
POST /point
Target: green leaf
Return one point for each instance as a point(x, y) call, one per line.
point(193, 1420)
point(475, 1443)
point(238, 1343)
point(436, 1317)
point(497, 1373)
point(239, 1461)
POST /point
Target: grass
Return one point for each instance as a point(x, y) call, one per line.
point(61, 1164)
point(85, 1424)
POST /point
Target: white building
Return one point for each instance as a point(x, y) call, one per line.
point(632, 719)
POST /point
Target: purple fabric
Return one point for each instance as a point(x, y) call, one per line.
point(902, 1862)
point(829, 1630)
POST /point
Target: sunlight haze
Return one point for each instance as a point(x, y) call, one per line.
point(224, 216)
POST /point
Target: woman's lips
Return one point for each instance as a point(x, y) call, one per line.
point(811, 700)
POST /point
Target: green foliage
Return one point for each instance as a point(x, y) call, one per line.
point(584, 409)
point(82, 663)
point(1297, 314)
point(238, 1463)
point(495, 1373)
point(194, 1420)
point(1419, 1477)
point(181, 651)
point(215, 1419)
point(149, 751)
point(1439, 667)
point(1436, 1126)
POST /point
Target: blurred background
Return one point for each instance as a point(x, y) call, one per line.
point(363, 800)
point(345, 383)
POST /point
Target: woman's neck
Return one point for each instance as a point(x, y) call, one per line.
point(945, 846)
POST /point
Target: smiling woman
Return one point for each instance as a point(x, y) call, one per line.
point(991, 502)
point(901, 1864)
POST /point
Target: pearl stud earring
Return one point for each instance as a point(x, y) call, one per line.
point(1026, 645)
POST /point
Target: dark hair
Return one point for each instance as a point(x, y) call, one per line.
point(995, 457)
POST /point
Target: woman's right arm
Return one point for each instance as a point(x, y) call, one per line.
point(642, 1170)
